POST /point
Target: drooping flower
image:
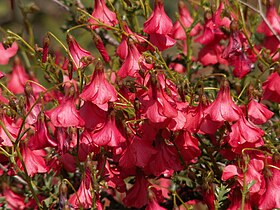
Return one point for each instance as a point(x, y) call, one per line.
point(223, 108)
point(130, 67)
point(158, 26)
point(273, 19)
point(99, 91)
point(272, 88)
point(83, 197)
point(81, 57)
point(66, 114)
point(13, 129)
point(103, 14)
point(158, 22)
point(258, 113)
point(244, 135)
point(41, 138)
point(108, 134)
point(18, 77)
point(271, 198)
point(186, 20)
point(34, 160)
point(7, 53)
point(137, 196)
point(212, 26)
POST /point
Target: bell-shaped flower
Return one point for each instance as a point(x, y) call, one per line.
point(83, 197)
point(161, 41)
point(223, 108)
point(244, 135)
point(18, 77)
point(253, 174)
point(258, 113)
point(80, 56)
point(66, 114)
point(212, 31)
point(41, 137)
point(137, 153)
point(86, 146)
point(271, 198)
point(271, 88)
point(273, 19)
point(185, 19)
point(103, 14)
point(211, 54)
point(93, 116)
point(130, 66)
point(137, 196)
point(108, 134)
point(34, 160)
point(158, 22)
point(99, 91)
point(7, 53)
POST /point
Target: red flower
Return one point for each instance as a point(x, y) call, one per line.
point(100, 47)
point(244, 135)
point(13, 200)
point(34, 160)
point(93, 116)
point(271, 198)
point(7, 53)
point(130, 67)
point(258, 113)
point(138, 153)
point(66, 114)
point(212, 26)
point(41, 138)
point(81, 57)
point(272, 88)
point(273, 20)
point(158, 26)
point(211, 54)
point(83, 197)
point(186, 20)
point(158, 22)
point(103, 14)
point(86, 146)
point(223, 108)
point(12, 128)
point(18, 78)
point(137, 196)
point(108, 134)
point(99, 91)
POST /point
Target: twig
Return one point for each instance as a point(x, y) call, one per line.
point(61, 5)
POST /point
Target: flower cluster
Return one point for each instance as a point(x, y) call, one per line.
point(159, 116)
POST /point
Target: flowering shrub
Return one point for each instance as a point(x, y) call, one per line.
point(161, 115)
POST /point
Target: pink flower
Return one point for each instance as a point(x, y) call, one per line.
point(137, 196)
point(244, 135)
point(41, 138)
point(271, 88)
point(223, 108)
point(185, 18)
point(83, 197)
point(158, 22)
point(18, 78)
point(13, 129)
point(103, 14)
point(108, 134)
point(273, 19)
point(161, 41)
point(130, 67)
point(100, 47)
point(99, 91)
point(34, 160)
point(271, 198)
point(7, 53)
point(66, 114)
point(81, 57)
point(14, 201)
point(258, 113)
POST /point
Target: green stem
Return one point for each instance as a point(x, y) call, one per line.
point(22, 40)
